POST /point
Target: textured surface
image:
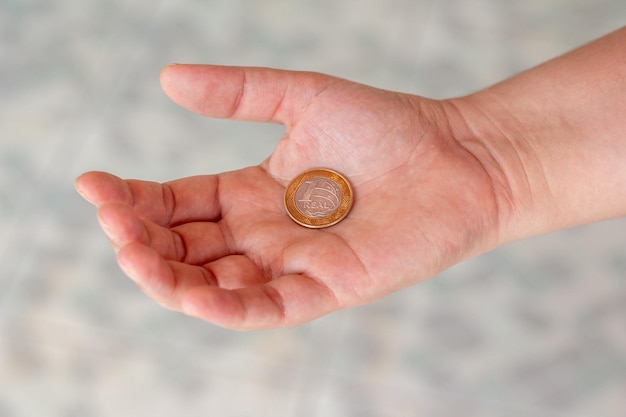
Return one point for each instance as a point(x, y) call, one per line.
point(537, 328)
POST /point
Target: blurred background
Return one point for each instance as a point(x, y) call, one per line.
point(536, 328)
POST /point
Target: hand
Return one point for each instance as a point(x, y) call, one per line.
point(222, 248)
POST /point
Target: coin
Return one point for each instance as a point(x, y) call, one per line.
point(318, 198)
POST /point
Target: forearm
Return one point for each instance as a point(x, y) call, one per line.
point(553, 140)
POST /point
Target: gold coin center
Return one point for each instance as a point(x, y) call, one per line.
point(318, 197)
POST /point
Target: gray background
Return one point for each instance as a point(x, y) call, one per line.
point(537, 328)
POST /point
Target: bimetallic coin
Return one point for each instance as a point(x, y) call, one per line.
point(318, 198)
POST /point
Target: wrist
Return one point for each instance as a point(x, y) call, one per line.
point(553, 140)
point(500, 143)
point(549, 170)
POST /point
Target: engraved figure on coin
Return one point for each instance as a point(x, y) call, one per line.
point(318, 197)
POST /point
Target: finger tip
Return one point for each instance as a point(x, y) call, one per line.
point(214, 305)
point(146, 268)
point(189, 84)
point(107, 215)
point(121, 224)
point(81, 185)
point(167, 74)
point(196, 303)
point(100, 187)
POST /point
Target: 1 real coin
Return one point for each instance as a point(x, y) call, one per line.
point(318, 198)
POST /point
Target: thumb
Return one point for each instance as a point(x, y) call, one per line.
point(242, 93)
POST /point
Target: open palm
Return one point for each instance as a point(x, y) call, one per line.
point(222, 247)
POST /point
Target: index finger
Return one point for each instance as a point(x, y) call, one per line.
point(169, 204)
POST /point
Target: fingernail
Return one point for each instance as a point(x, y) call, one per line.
point(80, 191)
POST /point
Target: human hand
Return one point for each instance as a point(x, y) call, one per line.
point(222, 248)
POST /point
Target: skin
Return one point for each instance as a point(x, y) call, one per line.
point(435, 182)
